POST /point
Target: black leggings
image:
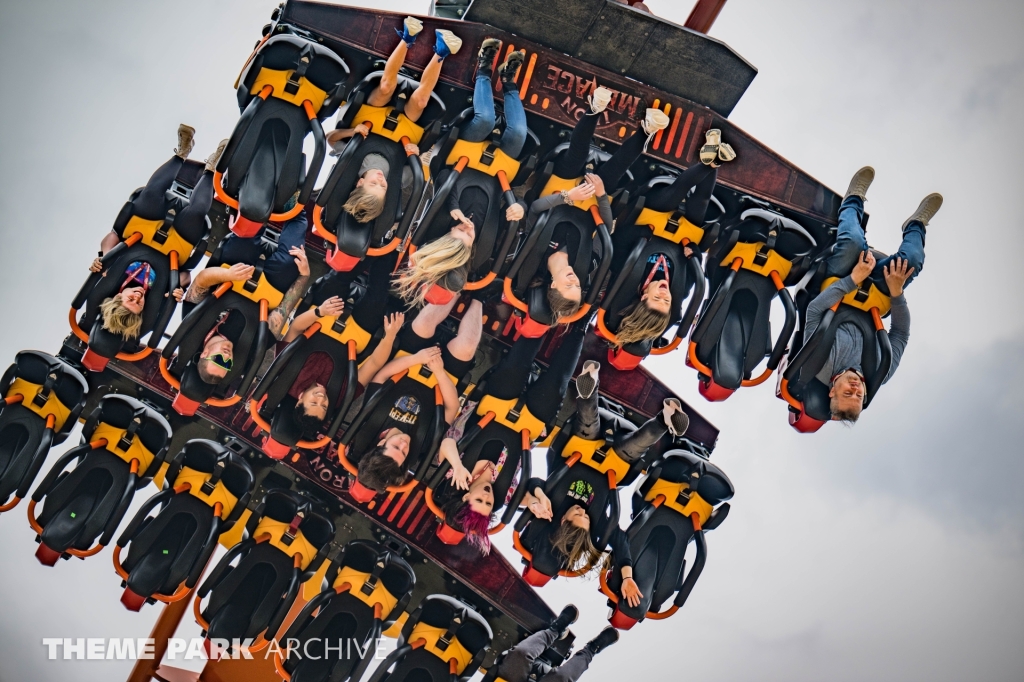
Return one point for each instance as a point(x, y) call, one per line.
point(574, 161)
point(544, 397)
point(668, 197)
point(151, 202)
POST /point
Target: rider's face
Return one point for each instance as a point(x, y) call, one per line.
point(396, 445)
point(848, 392)
point(134, 299)
point(577, 516)
point(658, 297)
point(314, 401)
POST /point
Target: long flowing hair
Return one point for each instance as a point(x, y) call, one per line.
point(430, 265)
point(640, 324)
point(574, 545)
point(119, 320)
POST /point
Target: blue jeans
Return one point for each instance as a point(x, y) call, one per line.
point(851, 242)
point(477, 130)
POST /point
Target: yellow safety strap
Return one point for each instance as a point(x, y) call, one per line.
point(278, 80)
point(671, 492)
point(659, 222)
point(135, 451)
point(147, 228)
point(299, 545)
point(220, 493)
point(474, 151)
point(589, 448)
point(455, 649)
point(28, 391)
point(378, 117)
point(501, 409)
point(875, 299)
point(747, 252)
point(380, 594)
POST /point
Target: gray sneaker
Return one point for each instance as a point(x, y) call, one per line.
point(675, 419)
point(929, 206)
point(860, 182)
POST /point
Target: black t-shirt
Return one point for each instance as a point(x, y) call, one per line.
point(408, 407)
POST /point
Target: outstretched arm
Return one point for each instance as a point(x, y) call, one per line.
point(379, 357)
point(896, 274)
point(449, 394)
point(449, 451)
point(332, 307)
point(280, 314)
point(835, 292)
point(209, 278)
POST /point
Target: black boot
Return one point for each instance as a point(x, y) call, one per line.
point(509, 69)
point(485, 58)
point(566, 618)
point(604, 639)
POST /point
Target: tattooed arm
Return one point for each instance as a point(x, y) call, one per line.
point(279, 315)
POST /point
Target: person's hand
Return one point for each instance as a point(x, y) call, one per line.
point(412, 150)
point(688, 251)
point(300, 260)
point(581, 192)
point(392, 323)
point(862, 270)
point(96, 265)
point(334, 137)
point(540, 505)
point(597, 183)
point(897, 272)
point(436, 364)
point(515, 212)
point(461, 217)
point(424, 356)
point(631, 593)
point(361, 129)
point(332, 307)
point(178, 294)
point(240, 272)
point(461, 477)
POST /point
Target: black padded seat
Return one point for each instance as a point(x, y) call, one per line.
point(290, 85)
point(123, 445)
point(42, 399)
point(208, 488)
point(287, 542)
point(367, 591)
point(681, 497)
point(443, 640)
point(752, 263)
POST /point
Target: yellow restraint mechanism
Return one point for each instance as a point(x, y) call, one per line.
point(299, 545)
point(136, 450)
point(502, 410)
point(220, 493)
point(589, 454)
point(455, 650)
point(673, 500)
point(671, 226)
point(875, 298)
point(384, 124)
point(52, 407)
point(556, 184)
point(379, 595)
point(484, 159)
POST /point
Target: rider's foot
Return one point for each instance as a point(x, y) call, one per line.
point(586, 382)
point(509, 68)
point(212, 159)
point(599, 100)
point(656, 120)
point(447, 43)
point(485, 58)
point(185, 141)
point(715, 152)
point(929, 206)
point(412, 27)
point(566, 618)
point(604, 639)
point(860, 182)
point(674, 417)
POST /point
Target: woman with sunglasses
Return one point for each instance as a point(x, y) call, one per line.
point(853, 262)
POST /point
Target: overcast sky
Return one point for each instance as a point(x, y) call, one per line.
point(891, 551)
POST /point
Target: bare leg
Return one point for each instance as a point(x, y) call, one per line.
point(421, 98)
point(432, 315)
point(382, 94)
point(463, 346)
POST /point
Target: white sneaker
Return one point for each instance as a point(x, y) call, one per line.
point(656, 120)
point(185, 141)
point(211, 161)
point(451, 41)
point(599, 100)
point(413, 26)
point(675, 419)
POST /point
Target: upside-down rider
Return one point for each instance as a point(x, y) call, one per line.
point(564, 290)
point(121, 314)
point(489, 476)
point(853, 262)
point(443, 261)
point(366, 202)
point(392, 439)
point(520, 661)
point(311, 393)
point(649, 316)
point(285, 268)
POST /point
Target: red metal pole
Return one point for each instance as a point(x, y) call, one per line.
point(704, 14)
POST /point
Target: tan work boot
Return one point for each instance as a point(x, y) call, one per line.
point(185, 141)
point(860, 182)
point(488, 51)
point(927, 209)
point(212, 159)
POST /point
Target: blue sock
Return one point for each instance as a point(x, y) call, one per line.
point(404, 35)
point(440, 47)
